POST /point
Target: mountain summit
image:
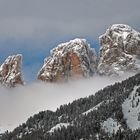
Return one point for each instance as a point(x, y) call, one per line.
point(10, 71)
point(120, 50)
point(69, 60)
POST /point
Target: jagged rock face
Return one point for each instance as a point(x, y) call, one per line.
point(120, 50)
point(72, 59)
point(10, 71)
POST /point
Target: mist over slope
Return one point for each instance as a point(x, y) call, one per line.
point(111, 113)
point(17, 104)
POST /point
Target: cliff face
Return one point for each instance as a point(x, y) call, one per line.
point(72, 59)
point(10, 71)
point(120, 50)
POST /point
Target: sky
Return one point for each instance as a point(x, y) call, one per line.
point(33, 27)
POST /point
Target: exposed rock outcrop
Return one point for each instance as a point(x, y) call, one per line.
point(72, 59)
point(10, 71)
point(120, 50)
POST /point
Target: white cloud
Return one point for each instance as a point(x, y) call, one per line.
point(17, 104)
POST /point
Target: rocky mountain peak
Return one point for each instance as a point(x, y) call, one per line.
point(120, 50)
point(71, 59)
point(10, 71)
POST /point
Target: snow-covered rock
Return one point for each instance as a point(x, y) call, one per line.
point(120, 50)
point(71, 59)
point(10, 71)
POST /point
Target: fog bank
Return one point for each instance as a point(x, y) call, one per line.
point(18, 104)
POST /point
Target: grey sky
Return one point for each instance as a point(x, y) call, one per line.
point(48, 18)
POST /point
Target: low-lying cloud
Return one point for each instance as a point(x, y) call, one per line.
point(18, 104)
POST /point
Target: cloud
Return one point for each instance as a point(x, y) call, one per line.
point(17, 104)
point(44, 19)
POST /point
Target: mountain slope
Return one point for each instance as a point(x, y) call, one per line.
point(99, 116)
point(69, 60)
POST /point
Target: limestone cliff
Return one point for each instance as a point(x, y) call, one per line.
point(120, 50)
point(10, 71)
point(72, 59)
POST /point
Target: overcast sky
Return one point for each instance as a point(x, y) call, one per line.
point(33, 27)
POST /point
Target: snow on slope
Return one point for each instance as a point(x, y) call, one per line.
point(92, 109)
point(59, 126)
point(111, 126)
point(131, 109)
point(95, 107)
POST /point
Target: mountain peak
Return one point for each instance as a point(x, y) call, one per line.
point(71, 59)
point(10, 71)
point(120, 50)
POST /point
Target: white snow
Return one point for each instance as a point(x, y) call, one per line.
point(97, 136)
point(92, 109)
point(131, 110)
point(59, 118)
point(111, 126)
point(125, 34)
point(59, 126)
point(95, 107)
